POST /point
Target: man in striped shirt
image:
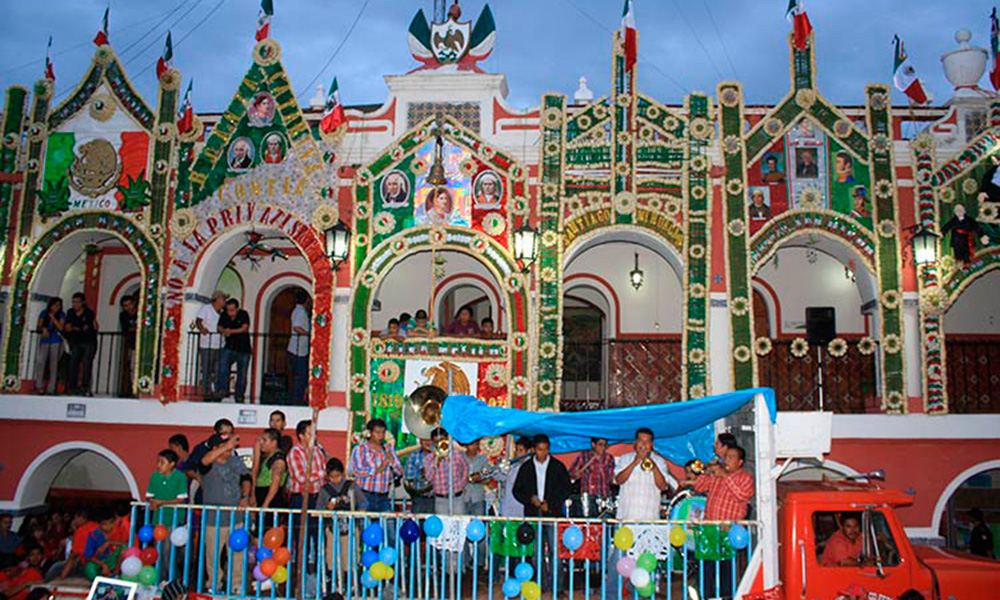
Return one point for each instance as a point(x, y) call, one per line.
point(373, 467)
point(444, 472)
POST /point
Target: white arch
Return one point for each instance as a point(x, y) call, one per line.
point(635, 235)
point(468, 280)
point(46, 466)
point(955, 483)
point(827, 463)
point(599, 287)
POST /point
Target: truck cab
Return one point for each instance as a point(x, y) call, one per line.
point(821, 524)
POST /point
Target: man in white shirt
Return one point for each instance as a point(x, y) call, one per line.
point(209, 343)
point(639, 493)
point(298, 348)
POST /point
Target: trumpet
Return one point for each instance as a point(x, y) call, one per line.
point(646, 464)
point(442, 448)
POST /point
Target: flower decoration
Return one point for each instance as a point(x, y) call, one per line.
point(879, 100)
point(584, 122)
point(881, 143)
point(623, 100)
point(696, 356)
point(736, 227)
point(369, 278)
point(547, 274)
point(701, 128)
point(361, 240)
point(883, 188)
point(732, 144)
point(547, 350)
point(267, 52)
point(388, 371)
point(646, 133)
point(890, 299)
point(550, 189)
point(932, 341)
point(11, 382)
point(519, 206)
point(519, 385)
point(362, 210)
point(729, 97)
point(359, 383)
point(514, 282)
point(624, 202)
point(418, 166)
point(891, 344)
point(479, 244)
point(10, 141)
point(810, 198)
point(672, 207)
point(624, 137)
point(397, 153)
point(437, 237)
point(734, 187)
point(762, 346)
point(101, 107)
point(155, 230)
point(468, 167)
point(552, 117)
point(399, 245)
point(621, 168)
point(773, 126)
point(183, 223)
point(550, 238)
point(696, 391)
point(698, 192)
point(741, 354)
point(519, 340)
point(697, 290)
point(600, 111)
point(842, 128)
point(934, 371)
point(697, 251)
point(496, 375)
point(867, 346)
point(671, 123)
point(805, 98)
point(933, 300)
point(837, 347)
point(886, 228)
point(551, 147)
point(378, 346)
point(655, 203)
point(969, 186)
point(165, 132)
point(947, 263)
point(363, 177)
point(384, 223)
point(652, 112)
point(145, 383)
point(988, 212)
point(494, 223)
point(799, 347)
point(546, 387)
point(740, 306)
point(324, 217)
point(894, 402)
point(699, 163)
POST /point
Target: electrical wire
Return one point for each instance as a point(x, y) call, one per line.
point(336, 51)
point(157, 40)
point(697, 38)
point(215, 8)
point(152, 29)
point(722, 40)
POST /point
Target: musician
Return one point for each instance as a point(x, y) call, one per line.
point(595, 469)
point(417, 483)
point(639, 496)
point(724, 441)
point(373, 466)
point(729, 490)
point(475, 492)
point(447, 471)
point(542, 483)
point(509, 505)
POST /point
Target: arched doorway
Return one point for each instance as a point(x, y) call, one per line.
point(75, 469)
point(972, 344)
point(276, 371)
point(975, 488)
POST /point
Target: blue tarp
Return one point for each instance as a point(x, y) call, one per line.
point(682, 430)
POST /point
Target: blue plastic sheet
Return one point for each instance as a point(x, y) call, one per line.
point(682, 431)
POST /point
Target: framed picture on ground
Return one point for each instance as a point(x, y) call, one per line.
point(105, 588)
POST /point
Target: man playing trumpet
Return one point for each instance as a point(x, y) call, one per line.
point(642, 475)
point(447, 469)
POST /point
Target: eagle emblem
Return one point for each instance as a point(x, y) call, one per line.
point(95, 169)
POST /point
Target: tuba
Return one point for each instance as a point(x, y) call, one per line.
point(422, 410)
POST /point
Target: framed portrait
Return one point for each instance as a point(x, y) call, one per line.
point(807, 163)
point(241, 154)
point(273, 148)
point(487, 191)
point(759, 203)
point(442, 206)
point(395, 189)
point(260, 113)
point(772, 168)
point(106, 588)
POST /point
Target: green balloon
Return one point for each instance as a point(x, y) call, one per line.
point(148, 575)
point(91, 570)
point(131, 578)
point(646, 561)
point(646, 591)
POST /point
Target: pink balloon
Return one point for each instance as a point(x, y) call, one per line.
point(625, 566)
point(133, 551)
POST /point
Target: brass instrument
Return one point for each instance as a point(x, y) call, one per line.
point(698, 467)
point(442, 448)
point(422, 410)
point(646, 464)
point(408, 451)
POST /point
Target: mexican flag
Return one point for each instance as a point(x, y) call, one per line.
point(264, 20)
point(50, 73)
point(905, 76)
point(102, 36)
point(166, 60)
point(995, 50)
point(333, 115)
point(131, 149)
point(185, 117)
point(628, 26)
point(796, 13)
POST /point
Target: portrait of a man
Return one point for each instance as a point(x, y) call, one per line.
point(241, 154)
point(760, 207)
point(261, 110)
point(806, 163)
point(487, 191)
point(843, 168)
point(273, 148)
point(772, 170)
point(395, 190)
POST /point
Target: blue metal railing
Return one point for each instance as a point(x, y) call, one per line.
point(701, 558)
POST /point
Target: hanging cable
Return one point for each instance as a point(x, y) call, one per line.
point(153, 42)
point(152, 29)
point(188, 34)
point(722, 40)
point(329, 61)
point(697, 38)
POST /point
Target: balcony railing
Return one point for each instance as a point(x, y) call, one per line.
point(620, 372)
point(101, 369)
point(973, 385)
point(849, 381)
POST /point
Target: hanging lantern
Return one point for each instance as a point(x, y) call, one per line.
point(526, 246)
point(636, 276)
point(337, 240)
point(924, 247)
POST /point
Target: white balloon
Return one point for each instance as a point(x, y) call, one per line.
point(639, 577)
point(131, 566)
point(179, 536)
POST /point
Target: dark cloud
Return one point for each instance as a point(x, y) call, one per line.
point(541, 46)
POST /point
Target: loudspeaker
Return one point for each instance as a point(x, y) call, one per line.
point(821, 325)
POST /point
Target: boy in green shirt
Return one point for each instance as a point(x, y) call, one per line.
point(167, 486)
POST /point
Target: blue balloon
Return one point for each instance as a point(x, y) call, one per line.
point(410, 531)
point(738, 536)
point(146, 534)
point(372, 535)
point(511, 588)
point(572, 538)
point(523, 571)
point(369, 557)
point(264, 553)
point(239, 539)
point(476, 530)
point(388, 556)
point(367, 580)
point(433, 526)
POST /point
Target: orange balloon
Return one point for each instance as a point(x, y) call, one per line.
point(282, 556)
point(268, 566)
point(274, 537)
point(160, 533)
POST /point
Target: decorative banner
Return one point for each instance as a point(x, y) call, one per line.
point(492, 386)
point(454, 377)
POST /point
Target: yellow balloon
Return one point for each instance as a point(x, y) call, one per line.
point(530, 590)
point(677, 536)
point(378, 570)
point(280, 575)
point(624, 538)
point(389, 573)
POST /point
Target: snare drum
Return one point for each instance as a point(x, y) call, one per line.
point(583, 506)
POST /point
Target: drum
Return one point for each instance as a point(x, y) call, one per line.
point(583, 506)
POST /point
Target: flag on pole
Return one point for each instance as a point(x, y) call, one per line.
point(905, 76)
point(185, 117)
point(264, 20)
point(167, 59)
point(50, 73)
point(796, 13)
point(102, 36)
point(628, 26)
point(333, 115)
point(995, 50)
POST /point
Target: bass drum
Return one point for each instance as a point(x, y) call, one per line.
point(583, 506)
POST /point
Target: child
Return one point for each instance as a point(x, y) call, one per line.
point(15, 579)
point(167, 485)
point(339, 493)
point(421, 328)
point(393, 332)
point(100, 549)
point(486, 329)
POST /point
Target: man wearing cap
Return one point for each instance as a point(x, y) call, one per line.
point(209, 343)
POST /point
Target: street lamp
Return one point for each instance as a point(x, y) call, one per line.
point(337, 240)
point(526, 246)
point(924, 242)
point(636, 276)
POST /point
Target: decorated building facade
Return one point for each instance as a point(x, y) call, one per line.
point(680, 247)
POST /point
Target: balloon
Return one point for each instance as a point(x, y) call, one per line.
point(258, 574)
point(624, 538)
point(639, 577)
point(132, 551)
point(264, 553)
point(179, 536)
point(379, 570)
point(525, 533)
point(146, 534)
point(239, 539)
point(433, 526)
point(131, 566)
point(511, 588)
point(160, 533)
point(149, 555)
point(389, 573)
point(268, 566)
point(645, 591)
point(388, 556)
point(739, 537)
point(367, 580)
point(524, 571)
point(625, 566)
point(410, 531)
point(476, 530)
point(372, 535)
point(646, 562)
point(368, 558)
point(530, 590)
point(280, 575)
point(91, 570)
point(282, 556)
point(274, 537)
point(148, 575)
point(677, 536)
point(572, 538)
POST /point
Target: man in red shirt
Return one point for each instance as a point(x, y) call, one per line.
point(15, 582)
point(845, 545)
point(728, 489)
point(82, 527)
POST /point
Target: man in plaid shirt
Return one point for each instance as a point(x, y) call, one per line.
point(305, 475)
point(373, 467)
point(595, 468)
point(444, 471)
point(728, 490)
point(423, 504)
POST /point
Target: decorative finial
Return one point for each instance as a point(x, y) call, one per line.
point(454, 12)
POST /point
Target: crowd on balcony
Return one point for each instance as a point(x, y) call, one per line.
point(463, 325)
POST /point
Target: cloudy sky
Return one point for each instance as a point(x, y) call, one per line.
point(542, 45)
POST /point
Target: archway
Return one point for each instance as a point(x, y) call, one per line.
point(976, 487)
point(95, 462)
point(972, 345)
point(276, 373)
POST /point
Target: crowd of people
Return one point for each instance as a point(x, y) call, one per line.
point(417, 326)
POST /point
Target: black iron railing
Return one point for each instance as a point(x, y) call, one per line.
point(102, 366)
point(848, 381)
point(620, 372)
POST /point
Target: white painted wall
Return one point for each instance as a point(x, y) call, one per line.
point(90, 471)
point(976, 310)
